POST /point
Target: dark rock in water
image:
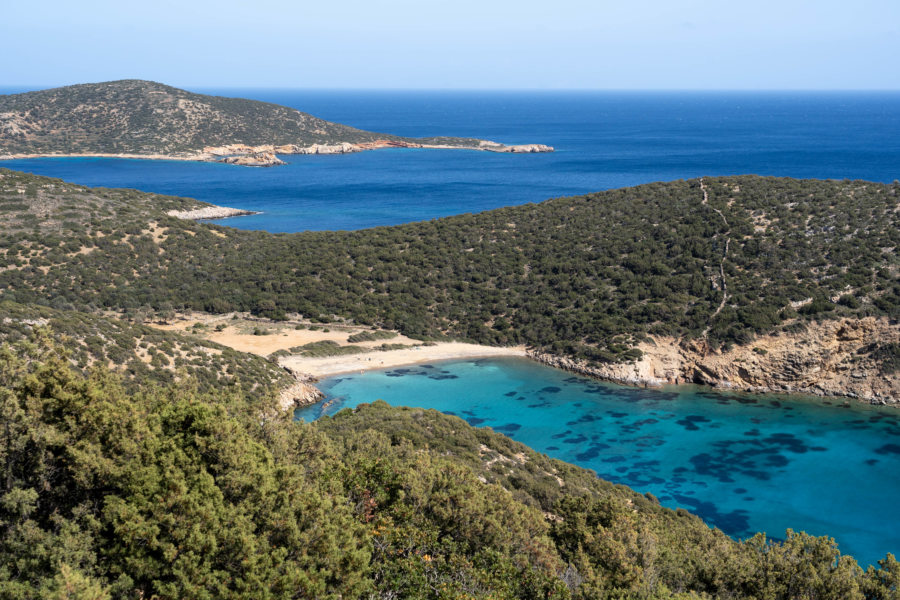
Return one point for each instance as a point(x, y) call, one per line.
point(508, 428)
point(511, 394)
point(776, 460)
point(735, 523)
point(615, 459)
point(690, 422)
point(872, 462)
point(552, 448)
point(557, 436)
point(740, 491)
point(580, 439)
point(888, 449)
point(475, 421)
point(551, 389)
point(588, 454)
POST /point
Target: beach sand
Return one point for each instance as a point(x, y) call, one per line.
point(354, 363)
point(239, 334)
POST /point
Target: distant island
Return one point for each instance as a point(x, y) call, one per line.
point(148, 120)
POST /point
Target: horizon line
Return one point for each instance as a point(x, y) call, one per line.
point(39, 87)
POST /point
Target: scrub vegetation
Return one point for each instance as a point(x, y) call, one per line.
point(174, 493)
point(587, 276)
point(140, 463)
point(144, 117)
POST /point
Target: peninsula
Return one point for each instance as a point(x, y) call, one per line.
point(148, 120)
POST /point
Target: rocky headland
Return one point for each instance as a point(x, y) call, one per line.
point(148, 120)
point(829, 358)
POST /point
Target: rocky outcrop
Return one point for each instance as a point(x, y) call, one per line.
point(301, 393)
point(266, 156)
point(210, 212)
point(343, 148)
point(255, 159)
point(523, 148)
point(829, 358)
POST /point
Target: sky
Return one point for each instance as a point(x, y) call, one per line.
point(456, 44)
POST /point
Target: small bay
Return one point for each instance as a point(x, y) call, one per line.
point(744, 463)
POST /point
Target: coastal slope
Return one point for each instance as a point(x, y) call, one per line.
point(797, 279)
point(172, 493)
point(145, 119)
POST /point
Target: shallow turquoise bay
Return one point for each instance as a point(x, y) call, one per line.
point(744, 463)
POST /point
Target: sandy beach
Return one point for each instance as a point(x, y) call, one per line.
point(355, 363)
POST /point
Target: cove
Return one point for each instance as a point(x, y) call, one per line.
point(744, 463)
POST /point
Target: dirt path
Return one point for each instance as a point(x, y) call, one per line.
point(722, 262)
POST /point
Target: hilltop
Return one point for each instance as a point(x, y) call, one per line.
point(754, 282)
point(135, 118)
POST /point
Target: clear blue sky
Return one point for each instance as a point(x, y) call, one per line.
point(463, 44)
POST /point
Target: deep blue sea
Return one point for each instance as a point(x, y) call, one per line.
point(603, 140)
point(744, 463)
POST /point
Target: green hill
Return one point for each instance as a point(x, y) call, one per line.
point(144, 117)
point(587, 276)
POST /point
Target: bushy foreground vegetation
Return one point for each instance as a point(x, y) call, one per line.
point(173, 493)
point(586, 276)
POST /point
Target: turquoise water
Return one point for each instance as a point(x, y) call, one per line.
point(603, 140)
point(744, 463)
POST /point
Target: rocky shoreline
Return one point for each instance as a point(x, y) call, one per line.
point(267, 155)
point(210, 212)
point(299, 394)
point(826, 360)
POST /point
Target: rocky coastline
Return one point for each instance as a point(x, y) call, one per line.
point(210, 212)
point(267, 155)
point(299, 394)
point(828, 359)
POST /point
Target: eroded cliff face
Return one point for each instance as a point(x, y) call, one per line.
point(829, 358)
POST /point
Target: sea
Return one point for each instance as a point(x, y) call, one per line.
point(602, 140)
point(744, 463)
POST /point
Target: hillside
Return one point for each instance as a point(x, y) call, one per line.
point(702, 266)
point(142, 354)
point(171, 493)
point(144, 118)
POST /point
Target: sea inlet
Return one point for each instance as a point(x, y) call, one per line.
point(744, 463)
